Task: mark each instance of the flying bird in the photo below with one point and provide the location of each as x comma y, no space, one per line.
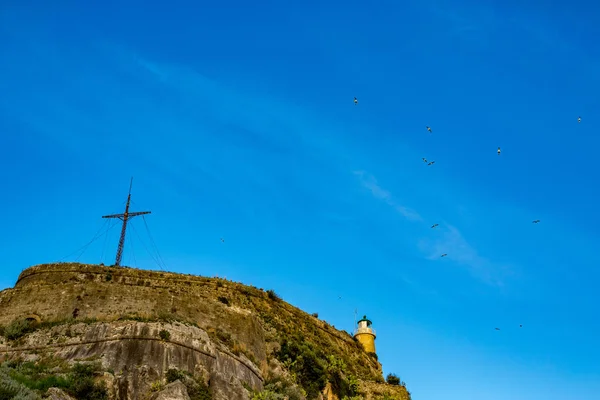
428,129
536,221
431,163
222,240
355,101
434,225
578,119
497,329
424,159
444,255
520,326
498,150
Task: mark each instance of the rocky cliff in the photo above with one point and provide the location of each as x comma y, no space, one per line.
137,334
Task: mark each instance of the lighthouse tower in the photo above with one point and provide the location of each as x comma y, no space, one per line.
365,334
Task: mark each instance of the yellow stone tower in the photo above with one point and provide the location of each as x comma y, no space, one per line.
365,334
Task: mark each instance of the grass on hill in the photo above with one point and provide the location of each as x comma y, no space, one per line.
30,380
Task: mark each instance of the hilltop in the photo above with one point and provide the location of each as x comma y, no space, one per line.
129,333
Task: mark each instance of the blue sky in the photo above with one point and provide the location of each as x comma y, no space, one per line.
236,121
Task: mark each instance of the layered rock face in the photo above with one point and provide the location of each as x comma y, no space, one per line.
137,356
139,324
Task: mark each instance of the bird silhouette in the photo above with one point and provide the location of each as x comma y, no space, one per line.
444,255
431,163
578,119
355,101
428,129
498,150
222,240
434,225
497,329
537,221
424,159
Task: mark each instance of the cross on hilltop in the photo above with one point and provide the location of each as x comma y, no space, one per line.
125,217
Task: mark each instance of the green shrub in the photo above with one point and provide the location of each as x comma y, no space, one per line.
272,295
164,335
82,385
156,386
301,358
224,300
18,328
343,384
174,374
197,389
268,395
392,379
44,383
10,389
225,337
353,384
276,388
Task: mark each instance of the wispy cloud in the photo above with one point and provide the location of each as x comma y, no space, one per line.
152,68
369,182
448,239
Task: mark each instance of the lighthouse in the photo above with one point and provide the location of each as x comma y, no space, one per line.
365,334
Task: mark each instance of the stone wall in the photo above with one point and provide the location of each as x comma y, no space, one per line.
55,291
137,356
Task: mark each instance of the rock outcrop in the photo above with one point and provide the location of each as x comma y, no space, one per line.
57,394
173,391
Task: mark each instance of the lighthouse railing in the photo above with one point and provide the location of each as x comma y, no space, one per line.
365,330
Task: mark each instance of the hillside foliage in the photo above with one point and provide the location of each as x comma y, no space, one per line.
31,380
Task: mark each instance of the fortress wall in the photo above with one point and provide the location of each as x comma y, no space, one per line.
54,291
63,273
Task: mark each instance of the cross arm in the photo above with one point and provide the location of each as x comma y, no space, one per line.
113,216
133,214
